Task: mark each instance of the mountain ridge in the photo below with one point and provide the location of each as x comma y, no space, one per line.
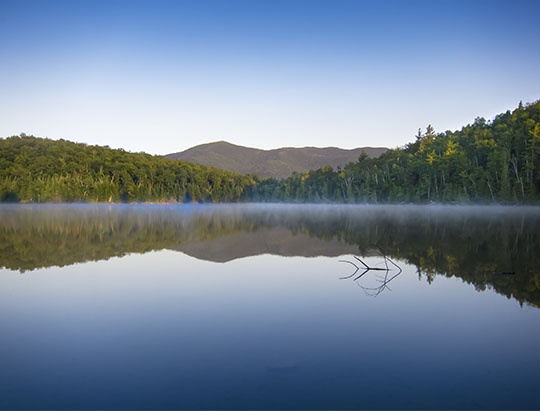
276,163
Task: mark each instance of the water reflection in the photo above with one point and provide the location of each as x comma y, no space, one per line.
390,272
164,330
486,246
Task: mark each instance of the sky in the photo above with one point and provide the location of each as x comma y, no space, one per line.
163,76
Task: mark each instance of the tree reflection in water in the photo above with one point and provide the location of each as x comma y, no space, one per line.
476,244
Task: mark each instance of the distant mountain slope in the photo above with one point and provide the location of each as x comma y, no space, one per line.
278,163
276,241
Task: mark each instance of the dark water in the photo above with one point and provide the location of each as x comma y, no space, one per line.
269,307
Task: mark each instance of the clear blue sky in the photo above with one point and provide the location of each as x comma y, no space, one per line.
162,76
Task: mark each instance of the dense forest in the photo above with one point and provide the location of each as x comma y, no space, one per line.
487,161
41,170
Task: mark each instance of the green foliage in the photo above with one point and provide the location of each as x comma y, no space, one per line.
43,170
494,161
484,162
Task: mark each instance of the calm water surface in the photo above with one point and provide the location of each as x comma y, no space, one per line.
269,307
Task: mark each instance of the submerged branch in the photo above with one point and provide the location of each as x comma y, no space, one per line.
384,280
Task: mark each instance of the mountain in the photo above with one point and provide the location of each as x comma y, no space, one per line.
269,240
278,163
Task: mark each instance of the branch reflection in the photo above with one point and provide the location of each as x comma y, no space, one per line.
389,274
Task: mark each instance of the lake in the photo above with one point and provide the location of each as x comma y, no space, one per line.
269,307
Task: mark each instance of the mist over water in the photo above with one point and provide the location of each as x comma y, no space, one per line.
269,306
471,242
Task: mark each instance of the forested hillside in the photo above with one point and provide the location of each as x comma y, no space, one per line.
487,161
39,170
277,163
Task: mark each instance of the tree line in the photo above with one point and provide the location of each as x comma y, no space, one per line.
487,161
42,170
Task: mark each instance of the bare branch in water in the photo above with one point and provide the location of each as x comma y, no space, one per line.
360,276
368,267
384,279
365,265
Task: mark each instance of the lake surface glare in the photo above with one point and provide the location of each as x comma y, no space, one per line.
269,307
